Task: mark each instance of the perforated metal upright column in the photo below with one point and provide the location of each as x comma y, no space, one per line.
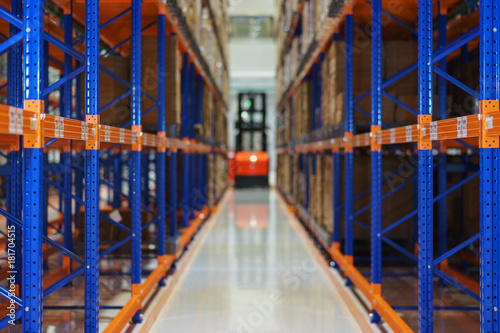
348,129
92,168
489,167
192,159
185,135
136,153
33,169
425,167
376,154
336,195
199,197
161,128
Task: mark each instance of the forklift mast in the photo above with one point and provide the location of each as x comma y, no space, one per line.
252,160
251,123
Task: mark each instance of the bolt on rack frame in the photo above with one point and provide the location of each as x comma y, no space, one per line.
33,124
428,142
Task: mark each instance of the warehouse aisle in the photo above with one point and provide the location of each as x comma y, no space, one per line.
253,273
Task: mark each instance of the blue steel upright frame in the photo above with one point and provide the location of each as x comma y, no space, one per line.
425,168
432,58
91,268
186,155
348,131
376,154
489,166
161,190
33,168
135,174
31,175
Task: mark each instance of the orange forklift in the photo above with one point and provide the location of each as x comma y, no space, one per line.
251,158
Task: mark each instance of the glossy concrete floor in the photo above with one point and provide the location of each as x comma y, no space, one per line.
253,273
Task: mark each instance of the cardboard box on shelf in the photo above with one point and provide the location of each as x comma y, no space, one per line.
208,108
110,89
398,55
327,195
172,80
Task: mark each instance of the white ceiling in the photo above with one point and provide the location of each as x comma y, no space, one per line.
252,7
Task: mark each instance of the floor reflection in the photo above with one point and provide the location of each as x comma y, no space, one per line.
253,274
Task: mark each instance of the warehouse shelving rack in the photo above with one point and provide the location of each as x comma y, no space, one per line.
90,150
477,132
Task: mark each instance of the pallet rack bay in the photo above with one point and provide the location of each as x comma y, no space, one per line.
388,131
108,129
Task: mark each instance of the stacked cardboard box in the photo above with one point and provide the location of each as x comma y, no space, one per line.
221,173
287,124
321,12
201,26
299,176
294,103
286,10
172,81
308,24
334,80
394,208
284,172
316,187
296,176
397,55
312,186
208,107
301,110
110,89
208,42
305,116
211,177
327,221
192,12
220,126
295,56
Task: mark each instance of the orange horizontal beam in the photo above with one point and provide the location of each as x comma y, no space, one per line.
16,121
389,315
164,264
467,127
189,232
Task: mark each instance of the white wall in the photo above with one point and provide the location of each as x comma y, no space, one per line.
253,58
252,7
253,67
